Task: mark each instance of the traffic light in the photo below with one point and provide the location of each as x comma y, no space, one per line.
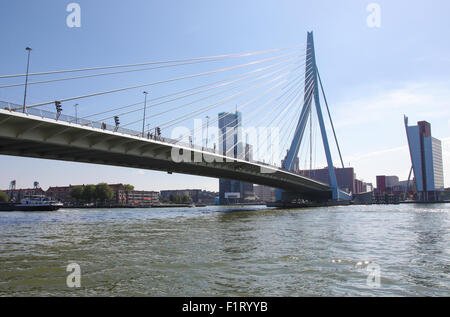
158,131
58,109
116,120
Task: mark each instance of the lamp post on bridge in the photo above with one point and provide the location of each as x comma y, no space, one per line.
76,113
145,106
26,80
207,125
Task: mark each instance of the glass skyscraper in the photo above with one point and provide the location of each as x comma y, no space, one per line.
230,143
426,157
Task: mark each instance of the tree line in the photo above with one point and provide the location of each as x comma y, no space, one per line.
3,197
93,193
178,199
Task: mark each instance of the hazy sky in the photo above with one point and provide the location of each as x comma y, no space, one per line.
372,75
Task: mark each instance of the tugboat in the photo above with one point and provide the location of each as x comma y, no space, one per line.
32,203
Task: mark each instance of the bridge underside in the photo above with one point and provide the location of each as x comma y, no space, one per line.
31,136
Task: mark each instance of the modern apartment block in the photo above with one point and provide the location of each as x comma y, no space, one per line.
426,158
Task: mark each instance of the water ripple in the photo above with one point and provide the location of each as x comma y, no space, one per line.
218,251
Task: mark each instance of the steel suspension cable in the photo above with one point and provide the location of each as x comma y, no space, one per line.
252,100
259,109
201,99
185,90
241,93
297,115
159,82
232,148
102,74
291,102
105,74
291,82
189,95
232,97
215,120
154,63
331,120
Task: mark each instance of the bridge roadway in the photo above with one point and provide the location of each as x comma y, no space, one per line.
38,134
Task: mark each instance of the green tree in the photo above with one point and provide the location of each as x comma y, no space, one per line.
3,197
186,198
89,193
76,193
128,187
103,192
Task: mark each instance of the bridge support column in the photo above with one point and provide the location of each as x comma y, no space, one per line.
311,91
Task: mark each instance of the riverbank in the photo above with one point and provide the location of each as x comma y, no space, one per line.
425,202
136,206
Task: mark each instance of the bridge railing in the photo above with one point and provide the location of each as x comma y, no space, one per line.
104,126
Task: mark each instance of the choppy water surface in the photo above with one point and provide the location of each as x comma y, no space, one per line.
217,251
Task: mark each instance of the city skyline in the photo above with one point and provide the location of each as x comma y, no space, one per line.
372,138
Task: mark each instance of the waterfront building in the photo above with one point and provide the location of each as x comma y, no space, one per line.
195,195
265,193
121,195
360,186
392,185
18,194
142,197
385,184
426,158
346,178
60,193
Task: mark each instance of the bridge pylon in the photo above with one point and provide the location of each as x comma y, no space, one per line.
311,92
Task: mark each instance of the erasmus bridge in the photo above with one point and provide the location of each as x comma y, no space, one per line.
283,89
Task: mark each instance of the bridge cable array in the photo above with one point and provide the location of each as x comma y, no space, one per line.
158,82
271,90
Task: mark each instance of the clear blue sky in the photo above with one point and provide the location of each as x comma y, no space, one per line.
372,76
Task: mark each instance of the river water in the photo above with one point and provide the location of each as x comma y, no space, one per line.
379,250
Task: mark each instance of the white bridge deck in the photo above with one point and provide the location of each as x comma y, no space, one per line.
38,134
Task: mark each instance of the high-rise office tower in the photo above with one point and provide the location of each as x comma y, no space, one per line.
426,157
230,143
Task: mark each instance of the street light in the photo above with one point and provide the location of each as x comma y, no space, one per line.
26,80
76,113
207,125
145,106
